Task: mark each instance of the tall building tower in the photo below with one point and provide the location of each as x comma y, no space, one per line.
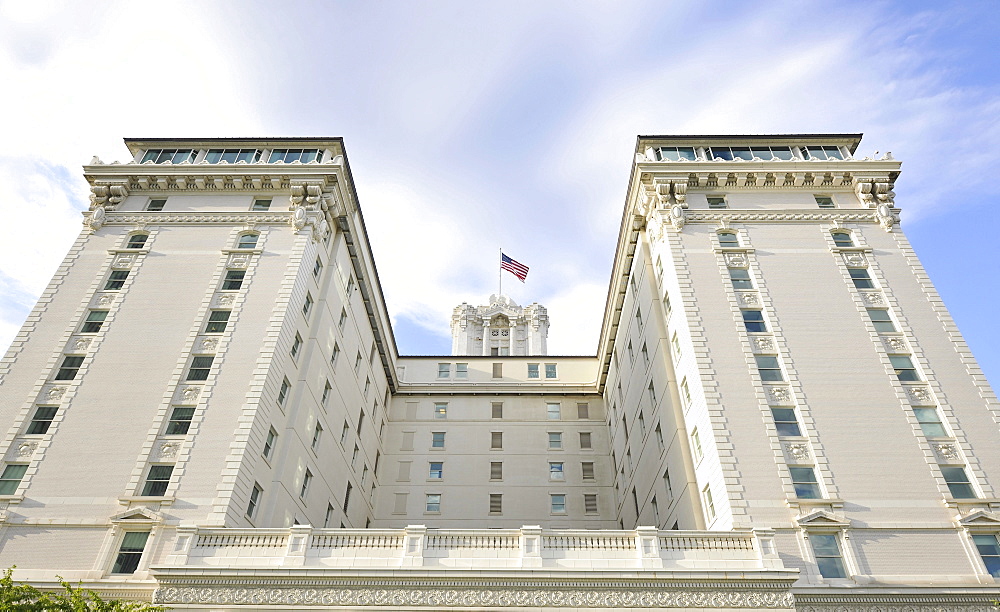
500,328
206,407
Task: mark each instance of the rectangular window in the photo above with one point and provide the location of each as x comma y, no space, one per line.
828,557
716,202
433,503
582,411
436,471
42,420
11,478
550,370
328,518
533,370
461,370
631,352
556,471
824,152
136,241
180,421
824,201
587,468
861,278
156,205
659,437
638,317
343,432
254,500
989,551
288,156
666,306
283,391
444,370
754,321
217,321
174,156
555,440
666,483
496,470
440,410
437,439
157,480
675,154
200,367
354,456
652,393
269,442
590,503
585,442
233,281
553,411
326,393
342,319
768,367
261,205
350,287
306,481
307,305
95,318
296,345
368,387
685,392
930,422
496,440
496,410
696,445
642,424
804,481
740,278
785,421
904,368
334,355
247,241
357,362
496,503
347,497
317,268
557,504
130,552
958,482
317,434
115,280
645,355
233,156
706,500
497,370
881,320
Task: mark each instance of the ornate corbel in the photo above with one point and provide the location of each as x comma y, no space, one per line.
885,216
95,220
677,216
98,196
680,189
314,194
296,197
864,191
884,193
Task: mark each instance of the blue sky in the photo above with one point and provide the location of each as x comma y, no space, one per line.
475,125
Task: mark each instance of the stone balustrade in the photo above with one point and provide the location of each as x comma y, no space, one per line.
528,547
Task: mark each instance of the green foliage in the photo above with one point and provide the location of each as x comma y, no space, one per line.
26,598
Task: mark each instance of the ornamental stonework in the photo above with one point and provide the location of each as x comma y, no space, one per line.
763,345
468,597
779,395
736,260
855,259
873,298
920,395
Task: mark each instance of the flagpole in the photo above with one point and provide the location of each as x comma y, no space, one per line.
500,290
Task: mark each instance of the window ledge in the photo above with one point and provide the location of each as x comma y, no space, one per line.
242,251
12,499
855,249
796,502
991,503
142,251
160,499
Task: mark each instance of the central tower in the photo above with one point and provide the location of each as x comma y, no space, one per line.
501,328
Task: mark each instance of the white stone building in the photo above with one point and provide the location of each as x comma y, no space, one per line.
206,406
500,328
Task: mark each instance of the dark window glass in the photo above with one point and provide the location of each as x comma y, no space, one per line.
200,367
754,321
115,280
95,318
157,480
130,552
11,478
70,366
785,421
831,564
842,239
136,241
804,481
861,278
42,420
180,421
217,321
234,280
958,483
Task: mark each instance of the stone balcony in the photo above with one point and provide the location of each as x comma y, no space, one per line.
417,567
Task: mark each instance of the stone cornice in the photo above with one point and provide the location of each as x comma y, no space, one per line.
199,218
854,215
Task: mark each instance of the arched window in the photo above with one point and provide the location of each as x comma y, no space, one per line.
728,239
247,241
136,241
843,239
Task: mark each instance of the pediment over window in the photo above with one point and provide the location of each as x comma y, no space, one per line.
137,515
822,518
980,518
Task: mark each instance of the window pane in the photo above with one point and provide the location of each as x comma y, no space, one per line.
721,152
831,567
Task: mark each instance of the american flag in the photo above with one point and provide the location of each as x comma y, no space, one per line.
517,269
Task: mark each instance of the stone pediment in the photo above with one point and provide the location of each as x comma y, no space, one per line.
137,515
980,518
823,518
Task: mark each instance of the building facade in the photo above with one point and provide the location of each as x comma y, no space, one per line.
207,408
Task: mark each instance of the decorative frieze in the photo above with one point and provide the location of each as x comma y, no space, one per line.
238,260
54,394
762,344
797,452
872,298
854,259
748,298
736,260
779,395
644,596
189,394
947,453
920,396
895,344
123,261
